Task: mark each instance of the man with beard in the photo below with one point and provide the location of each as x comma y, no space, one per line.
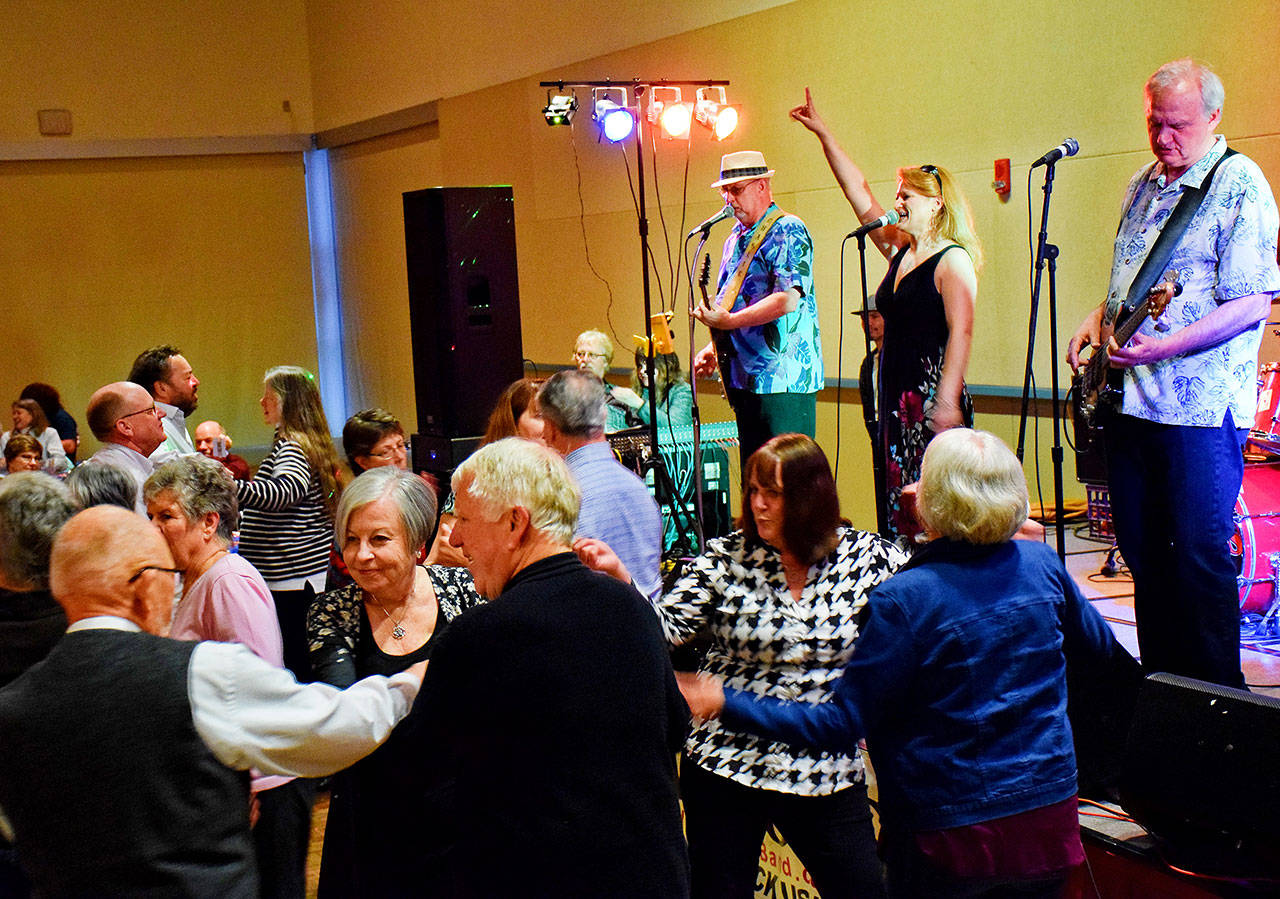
166,374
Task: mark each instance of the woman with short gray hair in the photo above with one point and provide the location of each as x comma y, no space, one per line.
381,822
191,501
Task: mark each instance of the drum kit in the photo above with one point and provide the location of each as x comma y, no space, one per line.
1256,543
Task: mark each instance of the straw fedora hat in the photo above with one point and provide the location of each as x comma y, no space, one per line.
744,165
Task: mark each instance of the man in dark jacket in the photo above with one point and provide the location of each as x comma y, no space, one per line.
556,701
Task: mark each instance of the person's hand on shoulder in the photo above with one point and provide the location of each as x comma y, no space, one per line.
597,556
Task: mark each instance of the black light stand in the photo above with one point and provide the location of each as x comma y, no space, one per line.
663,485
1046,252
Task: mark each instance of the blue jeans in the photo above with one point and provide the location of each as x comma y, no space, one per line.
1173,492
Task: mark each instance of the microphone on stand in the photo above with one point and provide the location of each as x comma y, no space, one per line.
889,218
720,216
1069,147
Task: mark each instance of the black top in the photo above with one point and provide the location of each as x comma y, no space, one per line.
30,625
62,422
385,834
563,724
911,360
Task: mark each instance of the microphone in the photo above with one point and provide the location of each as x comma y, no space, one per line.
889,218
720,216
1068,147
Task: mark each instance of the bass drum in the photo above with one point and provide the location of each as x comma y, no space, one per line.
1256,542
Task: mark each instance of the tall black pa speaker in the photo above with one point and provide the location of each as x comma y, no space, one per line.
464,312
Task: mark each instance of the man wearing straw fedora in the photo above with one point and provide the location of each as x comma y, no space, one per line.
763,320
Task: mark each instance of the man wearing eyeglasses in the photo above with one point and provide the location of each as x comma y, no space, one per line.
770,354
126,753
593,352
127,421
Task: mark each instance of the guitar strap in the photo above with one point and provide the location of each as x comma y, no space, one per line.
1166,243
734,284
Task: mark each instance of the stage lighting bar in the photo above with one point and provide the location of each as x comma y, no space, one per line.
610,111
560,108
667,109
711,110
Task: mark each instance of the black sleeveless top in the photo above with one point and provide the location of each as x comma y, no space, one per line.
915,341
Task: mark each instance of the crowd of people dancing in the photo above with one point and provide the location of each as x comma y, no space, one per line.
479,670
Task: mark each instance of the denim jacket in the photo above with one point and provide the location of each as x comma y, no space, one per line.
958,683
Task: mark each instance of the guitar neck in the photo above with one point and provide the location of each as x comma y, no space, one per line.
1096,370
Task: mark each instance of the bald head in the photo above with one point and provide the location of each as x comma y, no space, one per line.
206,433
94,558
125,413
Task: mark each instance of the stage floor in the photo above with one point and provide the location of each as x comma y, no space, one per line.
1113,598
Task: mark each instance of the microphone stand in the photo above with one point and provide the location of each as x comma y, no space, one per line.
696,409
877,457
1046,253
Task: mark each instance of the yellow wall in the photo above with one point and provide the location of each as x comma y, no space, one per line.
101,259
375,57
155,68
963,84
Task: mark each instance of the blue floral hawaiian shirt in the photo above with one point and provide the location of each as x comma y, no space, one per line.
785,355
1227,252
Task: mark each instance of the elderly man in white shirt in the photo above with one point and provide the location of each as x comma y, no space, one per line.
125,750
128,422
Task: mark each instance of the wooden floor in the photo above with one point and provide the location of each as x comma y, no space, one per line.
1112,596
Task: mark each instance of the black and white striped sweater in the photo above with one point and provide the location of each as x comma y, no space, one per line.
285,530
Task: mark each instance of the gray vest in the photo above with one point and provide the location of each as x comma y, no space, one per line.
108,786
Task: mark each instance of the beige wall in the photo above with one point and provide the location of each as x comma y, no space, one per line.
101,259
375,57
155,68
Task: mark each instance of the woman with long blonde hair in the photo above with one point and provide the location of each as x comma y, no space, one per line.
287,508
927,302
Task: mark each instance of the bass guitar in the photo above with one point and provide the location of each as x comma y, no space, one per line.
1097,382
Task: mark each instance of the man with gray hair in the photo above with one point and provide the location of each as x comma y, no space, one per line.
616,505
1190,390
559,712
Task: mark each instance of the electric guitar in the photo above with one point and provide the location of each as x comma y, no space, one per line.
1097,382
720,339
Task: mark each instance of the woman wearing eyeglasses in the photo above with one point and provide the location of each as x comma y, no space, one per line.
927,301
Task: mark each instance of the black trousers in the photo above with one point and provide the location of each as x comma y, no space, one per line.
765,415
281,838
726,822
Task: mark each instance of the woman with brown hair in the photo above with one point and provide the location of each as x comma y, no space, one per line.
29,418
287,509
780,599
22,452
515,414
959,686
